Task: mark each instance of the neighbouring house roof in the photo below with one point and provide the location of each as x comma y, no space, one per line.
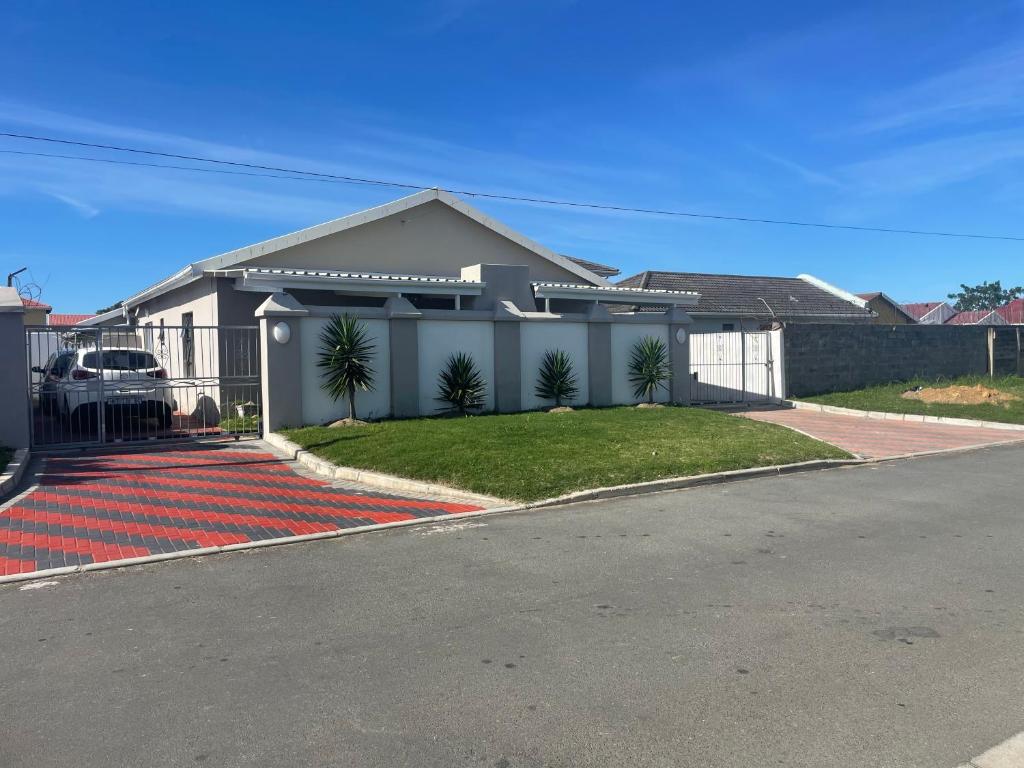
1013,313
64,319
977,317
259,250
596,267
921,309
33,304
756,296
871,296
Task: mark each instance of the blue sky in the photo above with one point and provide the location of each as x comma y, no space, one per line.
884,114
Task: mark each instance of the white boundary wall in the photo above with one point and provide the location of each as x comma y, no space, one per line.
623,339
439,339
538,338
317,406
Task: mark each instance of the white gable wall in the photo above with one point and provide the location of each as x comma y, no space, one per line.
430,239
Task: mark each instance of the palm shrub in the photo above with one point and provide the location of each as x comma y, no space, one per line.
460,385
344,359
557,381
649,367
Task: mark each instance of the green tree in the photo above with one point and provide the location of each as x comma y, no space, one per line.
556,381
460,385
984,296
648,367
344,359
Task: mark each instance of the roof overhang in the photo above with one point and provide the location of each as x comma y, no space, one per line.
102,319
272,280
614,294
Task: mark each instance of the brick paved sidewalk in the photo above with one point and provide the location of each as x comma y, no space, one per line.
877,438
97,507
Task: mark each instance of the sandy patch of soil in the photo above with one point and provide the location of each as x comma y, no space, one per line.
348,423
978,394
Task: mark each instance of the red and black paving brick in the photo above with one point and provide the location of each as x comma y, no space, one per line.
882,438
98,507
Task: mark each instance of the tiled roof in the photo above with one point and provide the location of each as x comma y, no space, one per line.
869,296
750,295
33,304
601,270
66,319
1013,313
919,309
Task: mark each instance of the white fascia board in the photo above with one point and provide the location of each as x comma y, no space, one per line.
614,294
817,282
269,280
113,314
178,279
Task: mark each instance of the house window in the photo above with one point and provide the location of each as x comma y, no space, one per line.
188,349
728,326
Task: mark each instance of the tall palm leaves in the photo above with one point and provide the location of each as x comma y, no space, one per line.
344,359
460,385
557,381
649,367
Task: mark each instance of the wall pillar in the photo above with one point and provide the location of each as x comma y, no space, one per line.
281,361
599,355
14,425
679,355
404,348
508,374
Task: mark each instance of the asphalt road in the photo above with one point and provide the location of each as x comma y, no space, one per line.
859,617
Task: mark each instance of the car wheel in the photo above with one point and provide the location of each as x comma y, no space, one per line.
165,417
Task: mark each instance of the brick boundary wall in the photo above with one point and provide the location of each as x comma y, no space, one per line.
822,358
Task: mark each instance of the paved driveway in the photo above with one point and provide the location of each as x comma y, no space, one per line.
97,507
875,438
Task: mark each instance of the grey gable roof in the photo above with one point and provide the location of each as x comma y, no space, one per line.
601,270
752,296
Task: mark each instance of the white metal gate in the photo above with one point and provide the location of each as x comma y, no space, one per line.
731,367
93,386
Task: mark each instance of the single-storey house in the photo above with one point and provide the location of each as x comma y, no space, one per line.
930,312
977,317
36,312
426,248
887,311
1013,313
749,302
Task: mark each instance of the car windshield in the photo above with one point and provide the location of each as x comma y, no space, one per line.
120,360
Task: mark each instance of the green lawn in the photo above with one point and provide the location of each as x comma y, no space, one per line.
530,456
887,398
6,454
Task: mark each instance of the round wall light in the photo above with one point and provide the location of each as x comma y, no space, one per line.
282,333
681,335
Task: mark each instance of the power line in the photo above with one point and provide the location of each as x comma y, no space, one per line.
302,175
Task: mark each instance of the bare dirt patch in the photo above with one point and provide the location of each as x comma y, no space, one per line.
959,394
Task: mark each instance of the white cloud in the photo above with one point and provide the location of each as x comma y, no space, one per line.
88,211
989,86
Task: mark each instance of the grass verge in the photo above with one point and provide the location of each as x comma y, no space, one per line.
531,456
887,398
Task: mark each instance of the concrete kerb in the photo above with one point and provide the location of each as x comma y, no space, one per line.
14,471
380,480
911,417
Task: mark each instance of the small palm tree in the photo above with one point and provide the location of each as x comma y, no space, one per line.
344,358
461,385
557,381
648,367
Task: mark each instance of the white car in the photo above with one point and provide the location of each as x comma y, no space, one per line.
132,382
